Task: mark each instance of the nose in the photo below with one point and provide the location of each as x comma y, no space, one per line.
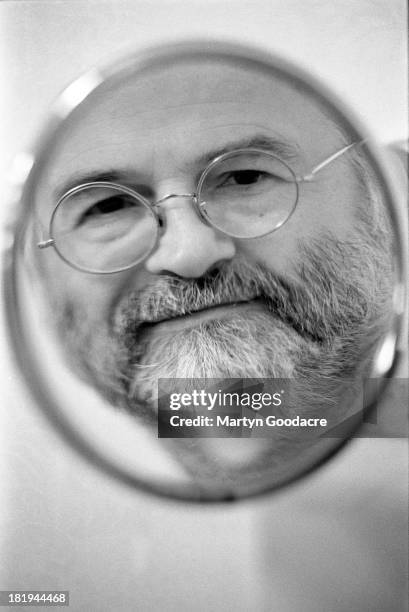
188,247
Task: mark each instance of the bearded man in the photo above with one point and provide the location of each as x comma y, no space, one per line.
211,220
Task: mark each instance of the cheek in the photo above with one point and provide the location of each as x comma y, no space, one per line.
94,295
327,207
62,285
322,209
273,252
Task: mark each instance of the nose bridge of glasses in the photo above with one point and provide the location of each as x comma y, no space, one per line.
170,196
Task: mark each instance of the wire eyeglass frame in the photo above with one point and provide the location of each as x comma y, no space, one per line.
199,205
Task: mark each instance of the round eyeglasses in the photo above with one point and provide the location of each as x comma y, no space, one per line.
104,227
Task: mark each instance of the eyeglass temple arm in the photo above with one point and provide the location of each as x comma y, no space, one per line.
45,243
329,160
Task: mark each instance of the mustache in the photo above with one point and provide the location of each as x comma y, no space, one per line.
295,304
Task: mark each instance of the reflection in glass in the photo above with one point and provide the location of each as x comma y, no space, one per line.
177,271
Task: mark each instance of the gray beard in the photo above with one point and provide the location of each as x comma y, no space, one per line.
320,331
326,323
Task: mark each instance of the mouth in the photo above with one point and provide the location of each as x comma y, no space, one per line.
192,318
179,321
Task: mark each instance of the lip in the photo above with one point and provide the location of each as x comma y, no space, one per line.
214,312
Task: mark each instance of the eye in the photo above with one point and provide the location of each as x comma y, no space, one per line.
107,206
243,177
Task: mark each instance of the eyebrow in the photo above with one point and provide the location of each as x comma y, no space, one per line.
127,176
122,176
285,150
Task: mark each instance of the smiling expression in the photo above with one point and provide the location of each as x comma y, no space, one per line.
155,134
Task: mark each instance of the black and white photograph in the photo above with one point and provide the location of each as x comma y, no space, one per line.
204,323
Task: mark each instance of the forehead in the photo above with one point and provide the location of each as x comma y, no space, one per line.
155,98
165,120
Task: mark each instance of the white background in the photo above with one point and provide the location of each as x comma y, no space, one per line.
337,541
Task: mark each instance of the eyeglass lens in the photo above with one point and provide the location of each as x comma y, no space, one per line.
248,194
103,229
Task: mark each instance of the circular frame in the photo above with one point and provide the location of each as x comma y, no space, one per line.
106,185
221,158
67,106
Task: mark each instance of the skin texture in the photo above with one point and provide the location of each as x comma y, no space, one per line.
321,281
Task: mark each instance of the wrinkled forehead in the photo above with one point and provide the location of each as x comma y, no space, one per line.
175,114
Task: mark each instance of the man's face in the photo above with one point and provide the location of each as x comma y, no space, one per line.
292,303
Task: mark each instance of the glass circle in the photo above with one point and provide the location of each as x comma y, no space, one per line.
103,227
248,193
39,288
